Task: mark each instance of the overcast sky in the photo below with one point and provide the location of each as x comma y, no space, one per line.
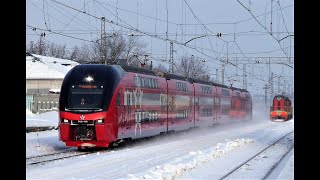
242,35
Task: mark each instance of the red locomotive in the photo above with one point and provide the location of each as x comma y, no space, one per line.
281,108
104,104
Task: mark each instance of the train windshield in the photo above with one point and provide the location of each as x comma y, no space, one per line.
85,97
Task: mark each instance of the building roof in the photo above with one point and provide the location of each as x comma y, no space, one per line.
43,67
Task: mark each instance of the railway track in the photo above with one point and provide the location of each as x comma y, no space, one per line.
69,153
271,170
42,159
253,160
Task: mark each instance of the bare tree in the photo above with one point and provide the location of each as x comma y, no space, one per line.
192,67
37,48
31,48
58,51
74,54
115,48
41,46
134,48
160,68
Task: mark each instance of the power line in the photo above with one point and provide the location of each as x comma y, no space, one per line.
64,15
205,28
240,21
133,29
33,27
155,18
262,26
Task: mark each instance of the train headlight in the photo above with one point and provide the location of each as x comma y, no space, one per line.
65,120
100,121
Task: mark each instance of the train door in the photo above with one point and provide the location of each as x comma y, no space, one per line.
120,107
123,103
127,109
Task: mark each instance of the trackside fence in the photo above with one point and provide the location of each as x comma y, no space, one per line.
40,103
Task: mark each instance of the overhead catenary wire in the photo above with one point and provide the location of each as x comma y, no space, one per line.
133,29
167,35
60,34
263,26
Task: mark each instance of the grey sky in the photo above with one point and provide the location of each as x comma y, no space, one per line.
245,36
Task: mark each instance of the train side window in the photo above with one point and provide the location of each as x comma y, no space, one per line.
147,82
137,80
142,82
155,83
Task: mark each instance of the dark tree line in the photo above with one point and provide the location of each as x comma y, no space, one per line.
117,47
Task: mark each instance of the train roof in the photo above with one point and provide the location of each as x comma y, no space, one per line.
178,77
282,96
138,70
127,68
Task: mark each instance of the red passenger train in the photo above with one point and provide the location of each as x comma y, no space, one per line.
104,104
281,108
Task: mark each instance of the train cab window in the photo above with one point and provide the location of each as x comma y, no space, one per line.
85,97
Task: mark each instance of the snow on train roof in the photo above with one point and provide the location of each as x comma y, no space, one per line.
43,67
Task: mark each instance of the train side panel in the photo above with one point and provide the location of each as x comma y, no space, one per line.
144,106
204,95
180,108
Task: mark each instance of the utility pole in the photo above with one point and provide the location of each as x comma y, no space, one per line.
217,77
244,77
269,75
271,19
265,96
271,94
171,58
222,74
227,51
279,85
103,44
238,78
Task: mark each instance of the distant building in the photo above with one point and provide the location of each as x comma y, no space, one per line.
45,74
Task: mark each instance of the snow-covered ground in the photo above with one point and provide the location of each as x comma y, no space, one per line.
198,154
43,119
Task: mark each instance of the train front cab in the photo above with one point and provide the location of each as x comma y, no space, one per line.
87,106
281,108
